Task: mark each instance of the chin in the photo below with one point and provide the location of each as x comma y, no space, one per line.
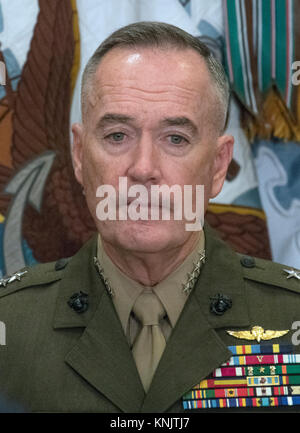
144,236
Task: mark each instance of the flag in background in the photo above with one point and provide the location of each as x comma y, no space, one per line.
262,44
45,47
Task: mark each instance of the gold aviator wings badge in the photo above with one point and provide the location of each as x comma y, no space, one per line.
258,333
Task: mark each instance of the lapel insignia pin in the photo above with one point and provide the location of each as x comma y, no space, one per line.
12,278
220,303
102,276
258,333
292,273
79,302
193,276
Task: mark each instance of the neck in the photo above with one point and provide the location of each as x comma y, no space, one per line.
149,269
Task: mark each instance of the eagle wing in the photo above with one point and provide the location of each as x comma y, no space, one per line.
269,334
245,335
41,123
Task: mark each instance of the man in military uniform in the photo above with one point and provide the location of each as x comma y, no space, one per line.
147,316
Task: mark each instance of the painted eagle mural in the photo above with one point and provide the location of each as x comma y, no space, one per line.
42,204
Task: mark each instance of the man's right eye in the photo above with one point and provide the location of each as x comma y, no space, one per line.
116,136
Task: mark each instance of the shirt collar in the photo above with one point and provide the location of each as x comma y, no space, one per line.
125,290
169,291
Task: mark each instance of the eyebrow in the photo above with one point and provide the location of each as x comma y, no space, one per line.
110,118
180,121
113,118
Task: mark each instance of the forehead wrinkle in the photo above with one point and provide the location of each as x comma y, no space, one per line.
135,97
162,88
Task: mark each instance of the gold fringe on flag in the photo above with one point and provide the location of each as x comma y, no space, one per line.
275,120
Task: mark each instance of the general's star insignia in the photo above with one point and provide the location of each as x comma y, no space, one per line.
102,276
12,278
193,276
257,333
292,273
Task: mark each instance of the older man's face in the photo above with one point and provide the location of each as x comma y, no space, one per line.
150,118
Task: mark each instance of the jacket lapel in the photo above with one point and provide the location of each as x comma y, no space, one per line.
101,355
194,349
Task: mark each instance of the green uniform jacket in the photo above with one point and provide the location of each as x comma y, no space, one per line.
58,360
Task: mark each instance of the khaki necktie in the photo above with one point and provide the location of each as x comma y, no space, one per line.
150,342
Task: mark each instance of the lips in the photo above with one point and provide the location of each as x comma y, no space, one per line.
141,203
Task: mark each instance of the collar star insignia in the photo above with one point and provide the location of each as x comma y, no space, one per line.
258,333
193,276
16,276
187,287
102,276
292,273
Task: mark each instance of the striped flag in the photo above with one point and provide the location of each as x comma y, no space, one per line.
262,43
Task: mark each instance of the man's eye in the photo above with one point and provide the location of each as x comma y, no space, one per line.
177,139
117,136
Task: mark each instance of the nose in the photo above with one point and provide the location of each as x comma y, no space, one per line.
144,167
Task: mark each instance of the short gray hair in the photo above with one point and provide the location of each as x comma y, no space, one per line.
148,34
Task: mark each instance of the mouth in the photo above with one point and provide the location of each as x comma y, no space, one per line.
144,204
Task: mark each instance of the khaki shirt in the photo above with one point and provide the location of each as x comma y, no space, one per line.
169,291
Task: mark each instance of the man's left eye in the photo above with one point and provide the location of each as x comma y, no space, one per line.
177,139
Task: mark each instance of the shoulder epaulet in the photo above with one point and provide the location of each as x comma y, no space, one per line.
272,273
36,275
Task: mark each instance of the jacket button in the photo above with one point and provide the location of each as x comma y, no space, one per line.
248,262
220,303
79,302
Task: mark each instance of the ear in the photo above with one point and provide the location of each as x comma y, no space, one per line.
77,130
223,157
